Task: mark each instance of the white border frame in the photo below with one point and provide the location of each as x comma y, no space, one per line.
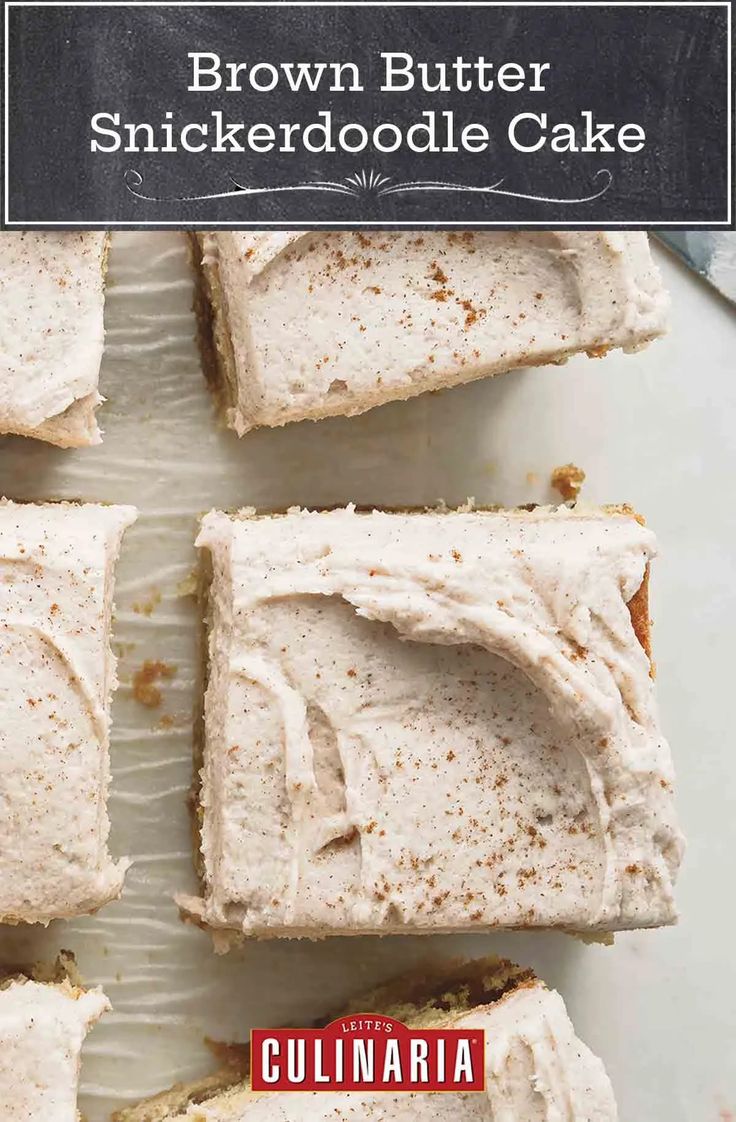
727,223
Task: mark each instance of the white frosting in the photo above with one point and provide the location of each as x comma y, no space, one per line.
431,722
56,581
42,1029
537,1070
335,323
51,334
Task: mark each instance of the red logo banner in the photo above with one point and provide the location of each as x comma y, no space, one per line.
368,1052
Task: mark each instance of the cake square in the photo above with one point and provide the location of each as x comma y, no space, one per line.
51,325
431,722
57,674
536,1066
305,325
42,1030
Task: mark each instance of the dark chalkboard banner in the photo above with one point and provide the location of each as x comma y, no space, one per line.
363,114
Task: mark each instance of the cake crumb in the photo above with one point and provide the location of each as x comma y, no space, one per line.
147,607
232,1056
188,585
568,480
145,690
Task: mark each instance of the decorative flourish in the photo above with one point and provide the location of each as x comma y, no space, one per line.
134,180
369,183
496,189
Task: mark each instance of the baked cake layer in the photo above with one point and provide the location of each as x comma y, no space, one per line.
536,1067
42,1030
307,325
57,674
51,325
439,721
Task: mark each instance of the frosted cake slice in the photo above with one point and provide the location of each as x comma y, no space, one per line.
306,325
51,326
536,1067
57,674
42,1030
425,722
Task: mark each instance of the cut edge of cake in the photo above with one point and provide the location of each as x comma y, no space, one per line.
213,335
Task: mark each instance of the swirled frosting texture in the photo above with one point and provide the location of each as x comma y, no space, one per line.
51,334
310,325
57,674
42,1029
431,722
